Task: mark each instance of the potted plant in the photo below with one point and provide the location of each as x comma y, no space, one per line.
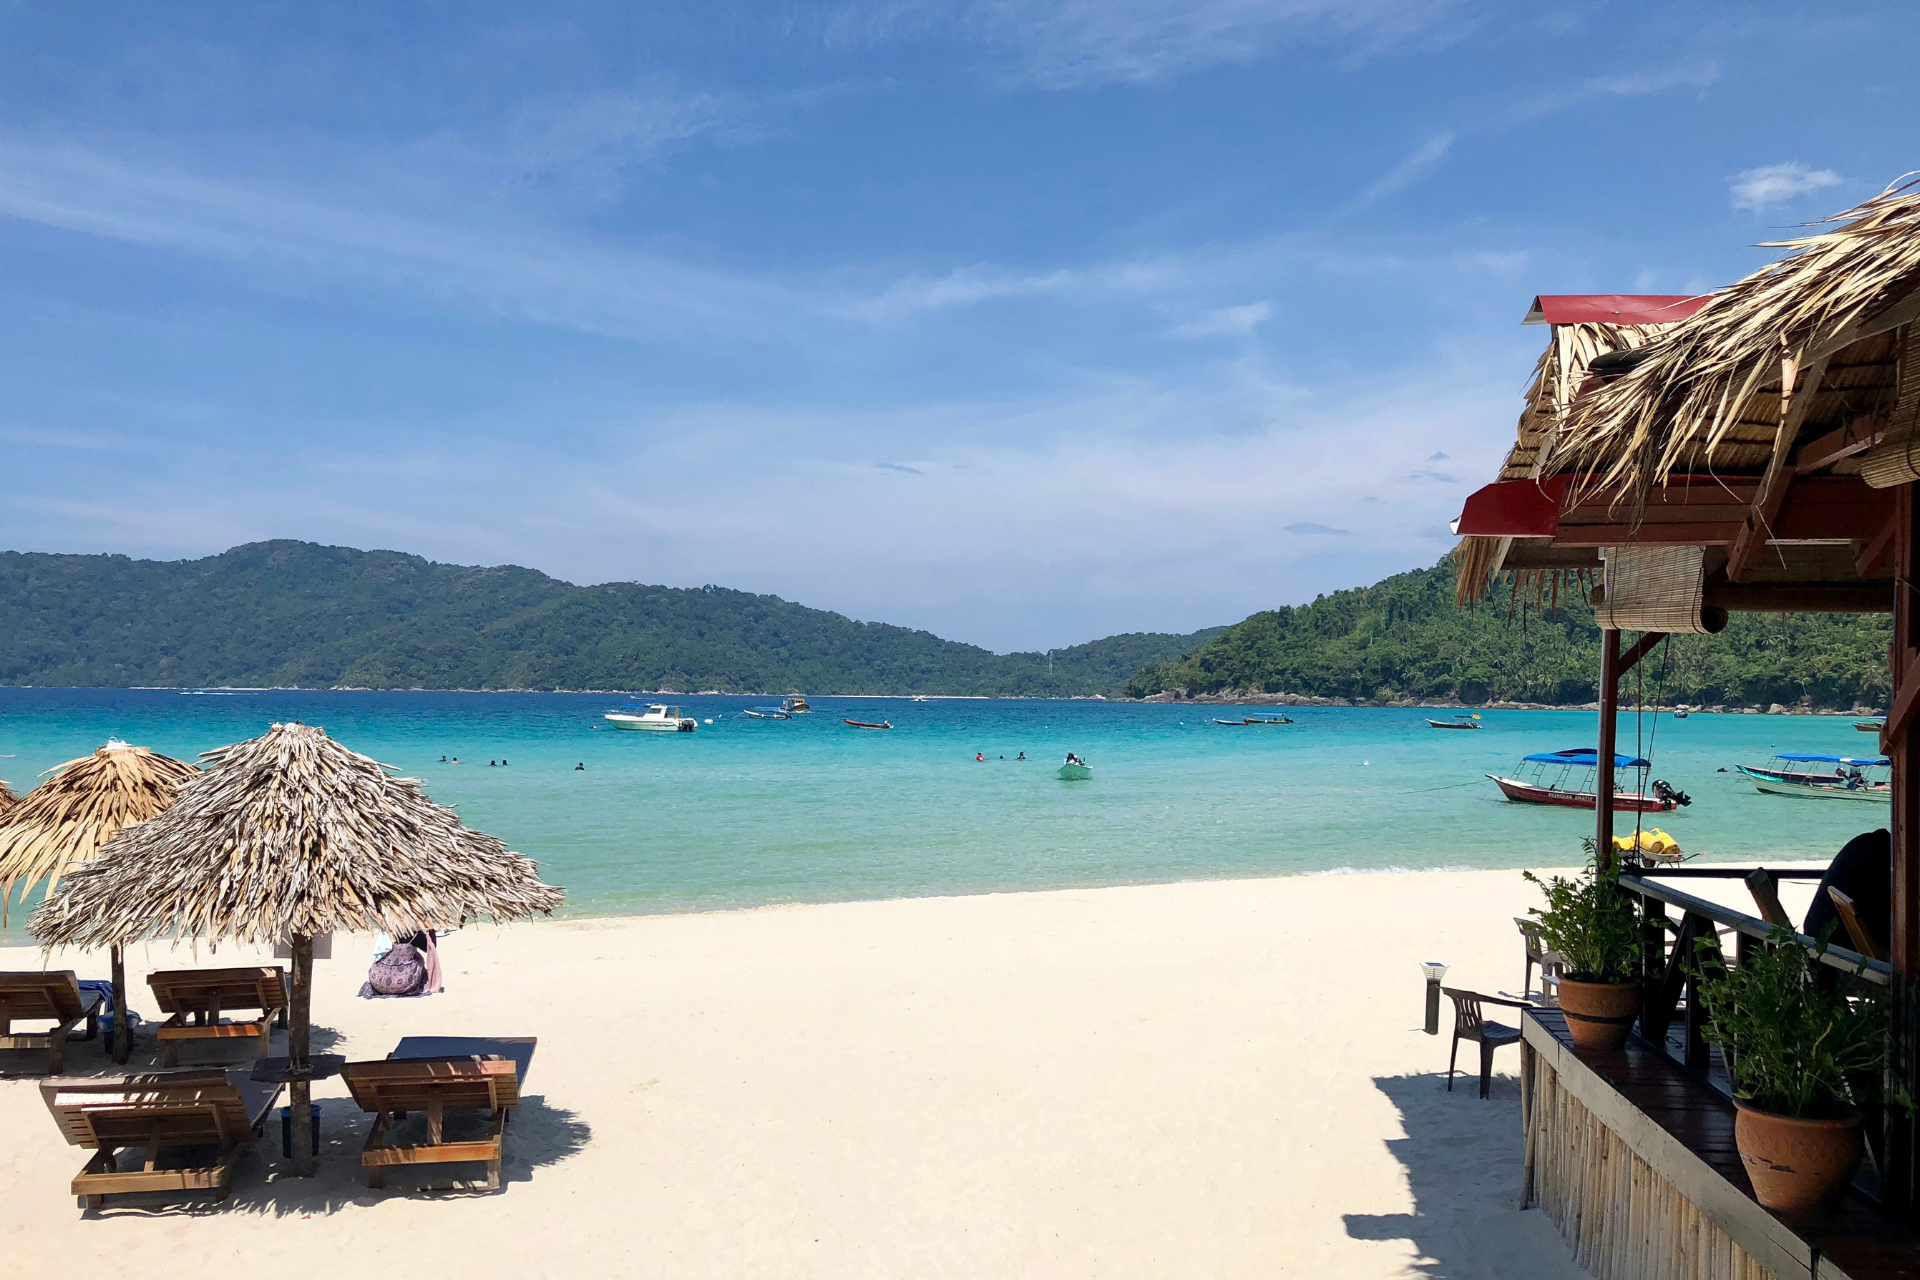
1803,1054
1594,928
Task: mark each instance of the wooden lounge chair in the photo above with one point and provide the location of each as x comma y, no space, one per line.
196,999
54,997
1469,1024
436,1075
167,1113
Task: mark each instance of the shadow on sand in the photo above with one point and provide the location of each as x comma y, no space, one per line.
1463,1162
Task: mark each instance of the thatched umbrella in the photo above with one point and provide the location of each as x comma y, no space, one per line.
286,836
7,798
66,821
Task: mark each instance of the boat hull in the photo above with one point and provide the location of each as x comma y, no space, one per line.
767,715
637,725
1449,724
1075,773
1821,790
1780,775
862,724
1623,801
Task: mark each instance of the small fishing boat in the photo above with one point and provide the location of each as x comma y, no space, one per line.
1458,722
862,724
1818,776
1247,720
767,713
794,705
1075,770
1869,726
1681,713
1568,779
652,717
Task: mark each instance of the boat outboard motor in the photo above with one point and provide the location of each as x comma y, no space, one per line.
1663,790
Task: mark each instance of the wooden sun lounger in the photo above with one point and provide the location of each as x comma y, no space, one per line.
162,1112
196,999
436,1075
54,997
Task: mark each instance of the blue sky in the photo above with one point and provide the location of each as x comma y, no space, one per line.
1025,322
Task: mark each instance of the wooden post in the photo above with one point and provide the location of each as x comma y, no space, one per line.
299,1028
1903,947
1603,761
122,1046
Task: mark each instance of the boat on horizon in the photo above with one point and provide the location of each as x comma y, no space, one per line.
1801,776
651,717
1247,720
767,713
1568,780
864,724
1463,721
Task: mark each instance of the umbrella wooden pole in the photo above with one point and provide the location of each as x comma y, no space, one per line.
299,1029
122,1047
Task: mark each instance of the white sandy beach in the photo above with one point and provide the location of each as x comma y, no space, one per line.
1205,1079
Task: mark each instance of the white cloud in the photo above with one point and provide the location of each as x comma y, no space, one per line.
1773,184
1225,322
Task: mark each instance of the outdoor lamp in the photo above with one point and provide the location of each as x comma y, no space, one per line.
1436,973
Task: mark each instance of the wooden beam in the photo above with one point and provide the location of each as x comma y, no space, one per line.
1900,714
1801,597
1603,774
1798,387
1877,547
1641,648
1903,312
1856,437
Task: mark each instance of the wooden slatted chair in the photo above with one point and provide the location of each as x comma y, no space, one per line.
52,997
174,1116
390,1089
1470,1024
197,999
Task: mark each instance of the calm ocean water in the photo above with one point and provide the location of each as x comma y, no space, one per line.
747,812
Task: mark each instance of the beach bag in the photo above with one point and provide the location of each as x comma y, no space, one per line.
400,972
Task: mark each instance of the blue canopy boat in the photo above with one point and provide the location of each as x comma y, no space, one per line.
1568,779
1820,776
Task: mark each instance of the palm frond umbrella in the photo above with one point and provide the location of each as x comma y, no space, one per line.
7,798
286,836
67,820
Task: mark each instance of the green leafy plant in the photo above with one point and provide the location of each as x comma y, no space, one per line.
1800,1046
1590,922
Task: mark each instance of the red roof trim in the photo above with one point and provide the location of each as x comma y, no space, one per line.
1613,308
1514,509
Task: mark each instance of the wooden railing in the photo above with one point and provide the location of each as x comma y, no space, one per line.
1667,976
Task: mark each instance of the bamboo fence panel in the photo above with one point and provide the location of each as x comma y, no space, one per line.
1623,1220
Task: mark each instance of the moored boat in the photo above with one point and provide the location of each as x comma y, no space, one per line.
1568,780
1243,721
653,717
794,705
767,713
864,724
1458,722
1819,776
1869,726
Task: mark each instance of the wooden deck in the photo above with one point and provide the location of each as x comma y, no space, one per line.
1683,1128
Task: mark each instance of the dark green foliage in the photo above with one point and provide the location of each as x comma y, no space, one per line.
1404,636
294,613
1801,1046
1591,923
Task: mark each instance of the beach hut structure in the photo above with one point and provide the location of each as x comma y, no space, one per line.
67,820
7,798
287,836
1758,455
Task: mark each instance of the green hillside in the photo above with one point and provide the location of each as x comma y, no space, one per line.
1404,637
295,613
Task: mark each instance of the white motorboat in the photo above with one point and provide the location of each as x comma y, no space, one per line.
653,716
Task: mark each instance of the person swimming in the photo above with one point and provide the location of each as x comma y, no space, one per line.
581,767
979,757
1020,757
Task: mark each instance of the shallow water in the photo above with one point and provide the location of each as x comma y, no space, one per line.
748,812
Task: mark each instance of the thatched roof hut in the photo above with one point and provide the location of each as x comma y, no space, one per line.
283,837
1763,432
7,798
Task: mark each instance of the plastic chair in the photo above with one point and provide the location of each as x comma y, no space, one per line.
1470,1024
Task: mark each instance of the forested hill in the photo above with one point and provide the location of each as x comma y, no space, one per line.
1403,637
298,614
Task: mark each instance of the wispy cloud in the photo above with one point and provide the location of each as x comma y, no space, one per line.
1307,527
1225,321
1772,184
895,466
1067,44
1423,160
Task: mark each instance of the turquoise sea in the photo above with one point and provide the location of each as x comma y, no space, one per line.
746,812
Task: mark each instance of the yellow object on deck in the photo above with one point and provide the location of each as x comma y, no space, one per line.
1654,844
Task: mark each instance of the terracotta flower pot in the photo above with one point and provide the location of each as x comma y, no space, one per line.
1797,1166
1599,1014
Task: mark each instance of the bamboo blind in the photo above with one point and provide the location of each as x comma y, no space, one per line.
1623,1220
1654,589
1895,457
